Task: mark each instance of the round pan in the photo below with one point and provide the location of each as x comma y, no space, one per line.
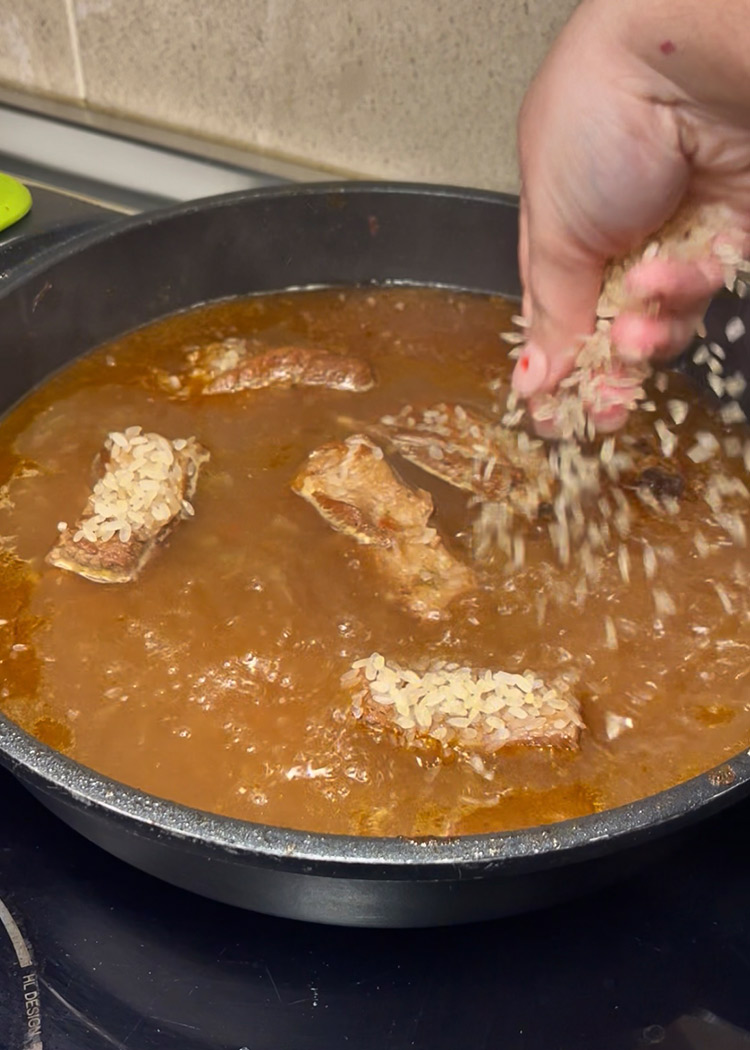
137,270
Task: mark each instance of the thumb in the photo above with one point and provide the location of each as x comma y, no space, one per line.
562,281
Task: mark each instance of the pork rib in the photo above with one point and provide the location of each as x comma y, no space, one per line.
231,366
145,489
472,453
352,486
448,708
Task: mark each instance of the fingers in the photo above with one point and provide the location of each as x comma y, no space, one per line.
675,285
561,288
538,371
679,291
611,400
523,245
636,338
639,338
606,420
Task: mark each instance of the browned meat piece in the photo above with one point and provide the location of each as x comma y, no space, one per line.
446,708
422,574
471,452
662,483
230,366
144,491
352,487
656,478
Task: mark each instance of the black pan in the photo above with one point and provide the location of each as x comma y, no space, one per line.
140,269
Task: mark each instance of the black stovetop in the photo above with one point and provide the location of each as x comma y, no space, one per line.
99,956
121,960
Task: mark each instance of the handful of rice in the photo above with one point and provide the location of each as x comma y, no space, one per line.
691,235
597,377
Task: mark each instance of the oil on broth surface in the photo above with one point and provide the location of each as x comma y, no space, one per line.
214,679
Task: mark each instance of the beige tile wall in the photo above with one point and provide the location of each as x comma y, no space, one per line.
36,49
413,89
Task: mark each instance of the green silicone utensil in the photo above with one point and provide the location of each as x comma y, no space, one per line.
15,201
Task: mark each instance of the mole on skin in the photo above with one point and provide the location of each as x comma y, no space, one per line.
667,47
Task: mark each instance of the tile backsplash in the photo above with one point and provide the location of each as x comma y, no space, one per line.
407,89
36,47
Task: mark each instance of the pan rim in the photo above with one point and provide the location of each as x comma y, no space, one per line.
560,843
126,223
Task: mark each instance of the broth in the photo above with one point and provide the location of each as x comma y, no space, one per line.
214,679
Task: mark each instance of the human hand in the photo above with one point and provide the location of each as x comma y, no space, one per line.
625,119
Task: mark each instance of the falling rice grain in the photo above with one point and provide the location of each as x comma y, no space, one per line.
667,439
699,454
732,413
724,598
610,632
678,410
607,450
649,561
734,329
735,385
615,724
519,551
663,602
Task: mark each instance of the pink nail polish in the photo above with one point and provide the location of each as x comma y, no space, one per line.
530,371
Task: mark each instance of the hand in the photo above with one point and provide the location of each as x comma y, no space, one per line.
630,113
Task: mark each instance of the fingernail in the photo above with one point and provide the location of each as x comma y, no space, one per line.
530,371
634,353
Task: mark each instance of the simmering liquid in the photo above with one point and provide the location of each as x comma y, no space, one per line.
214,679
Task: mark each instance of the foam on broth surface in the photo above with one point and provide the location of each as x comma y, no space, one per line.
214,680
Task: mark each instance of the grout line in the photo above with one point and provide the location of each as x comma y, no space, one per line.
75,48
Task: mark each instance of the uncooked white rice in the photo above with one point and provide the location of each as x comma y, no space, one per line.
461,707
735,329
141,489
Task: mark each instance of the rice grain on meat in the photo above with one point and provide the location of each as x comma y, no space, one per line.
448,708
146,484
